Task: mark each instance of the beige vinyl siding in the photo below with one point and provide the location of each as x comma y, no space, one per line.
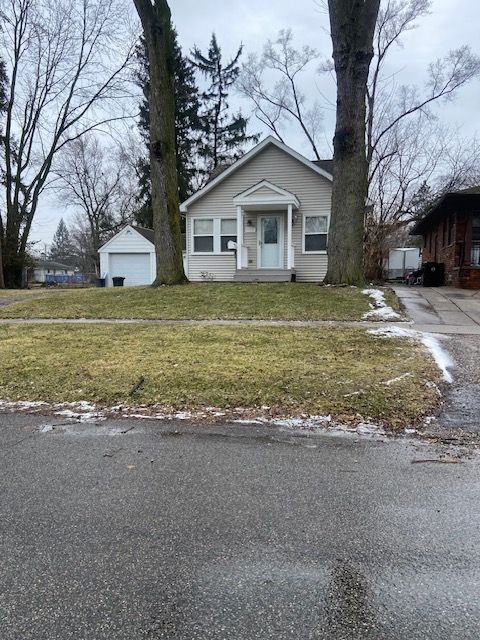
208,267
312,190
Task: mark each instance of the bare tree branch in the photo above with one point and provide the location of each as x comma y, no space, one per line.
69,70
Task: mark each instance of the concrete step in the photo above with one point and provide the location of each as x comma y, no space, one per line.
263,275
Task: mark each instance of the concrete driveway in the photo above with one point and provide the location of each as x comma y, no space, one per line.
455,313
442,309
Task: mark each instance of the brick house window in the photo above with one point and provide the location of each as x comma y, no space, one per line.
445,233
450,229
475,254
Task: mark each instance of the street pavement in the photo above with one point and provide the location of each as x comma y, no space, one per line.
140,529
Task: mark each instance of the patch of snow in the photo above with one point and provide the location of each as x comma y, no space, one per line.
22,405
87,416
302,422
398,379
379,309
45,428
442,359
368,428
428,420
410,431
393,332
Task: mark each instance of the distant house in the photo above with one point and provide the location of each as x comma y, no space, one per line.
130,254
45,269
451,236
265,217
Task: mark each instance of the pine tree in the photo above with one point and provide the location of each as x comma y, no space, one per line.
224,134
187,126
62,248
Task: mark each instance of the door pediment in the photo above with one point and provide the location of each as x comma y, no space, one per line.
265,193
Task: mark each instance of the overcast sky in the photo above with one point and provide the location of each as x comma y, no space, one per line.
252,22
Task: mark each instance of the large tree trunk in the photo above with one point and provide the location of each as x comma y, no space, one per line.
352,24
156,22
13,260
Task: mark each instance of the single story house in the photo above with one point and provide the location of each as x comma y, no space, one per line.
451,236
264,218
43,268
130,254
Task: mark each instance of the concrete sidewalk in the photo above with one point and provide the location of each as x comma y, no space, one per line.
442,309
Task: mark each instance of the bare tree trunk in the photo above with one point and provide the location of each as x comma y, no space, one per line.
352,24
2,280
156,22
13,258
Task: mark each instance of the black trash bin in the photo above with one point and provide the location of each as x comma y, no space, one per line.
118,281
100,282
433,274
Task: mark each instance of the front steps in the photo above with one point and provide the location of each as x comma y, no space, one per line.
264,275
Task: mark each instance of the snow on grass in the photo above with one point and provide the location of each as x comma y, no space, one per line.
442,359
397,379
380,310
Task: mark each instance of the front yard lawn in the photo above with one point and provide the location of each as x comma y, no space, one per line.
272,301
345,372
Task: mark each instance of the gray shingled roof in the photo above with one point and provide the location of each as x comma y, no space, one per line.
469,196
148,235
51,264
326,165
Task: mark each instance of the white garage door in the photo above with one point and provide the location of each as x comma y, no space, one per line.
134,267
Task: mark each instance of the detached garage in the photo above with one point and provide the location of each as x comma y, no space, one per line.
131,255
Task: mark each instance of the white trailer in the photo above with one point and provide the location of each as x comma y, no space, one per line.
402,260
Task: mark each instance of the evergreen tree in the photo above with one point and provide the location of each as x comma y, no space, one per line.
187,126
422,200
62,248
224,134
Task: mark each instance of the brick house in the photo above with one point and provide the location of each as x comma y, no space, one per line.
451,236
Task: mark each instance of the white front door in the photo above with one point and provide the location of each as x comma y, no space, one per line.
270,242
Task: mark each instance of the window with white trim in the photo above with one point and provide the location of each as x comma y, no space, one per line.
315,230
228,232
212,235
203,235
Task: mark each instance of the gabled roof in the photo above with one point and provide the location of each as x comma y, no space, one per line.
257,195
444,206
327,165
246,158
143,231
51,264
146,234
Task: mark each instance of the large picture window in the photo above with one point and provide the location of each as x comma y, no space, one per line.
212,235
315,230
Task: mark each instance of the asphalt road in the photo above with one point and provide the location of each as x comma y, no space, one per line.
132,530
